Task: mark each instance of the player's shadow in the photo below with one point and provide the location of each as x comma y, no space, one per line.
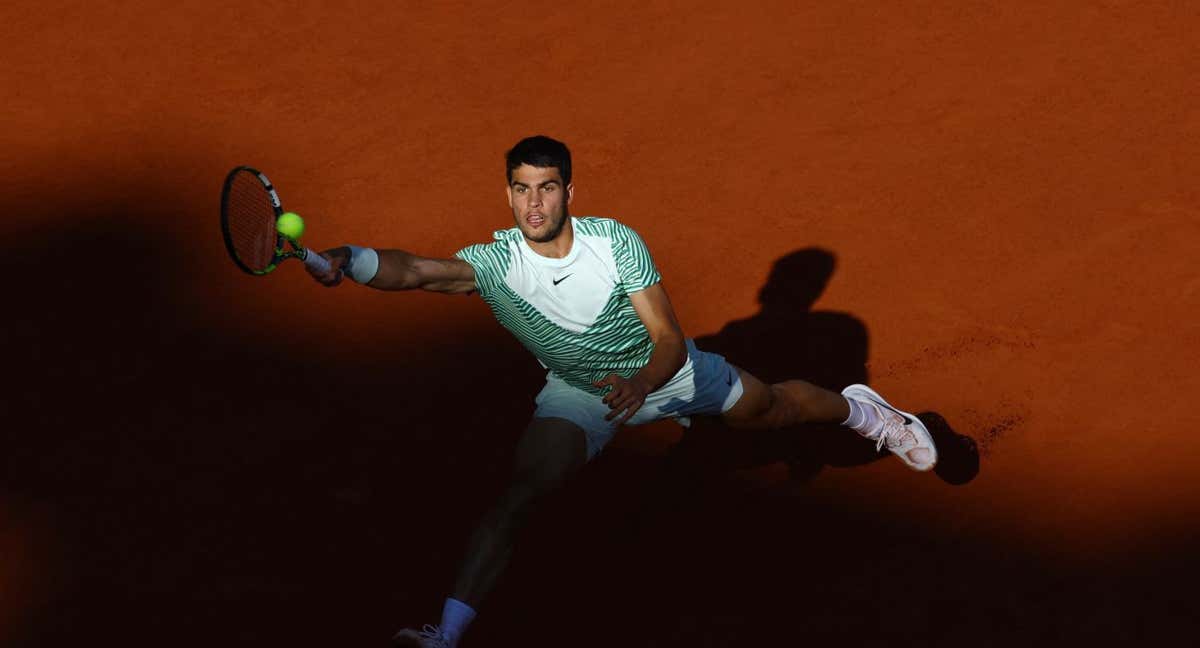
785,340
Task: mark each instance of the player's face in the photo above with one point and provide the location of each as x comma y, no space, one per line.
539,201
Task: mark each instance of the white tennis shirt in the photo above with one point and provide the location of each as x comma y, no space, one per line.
572,313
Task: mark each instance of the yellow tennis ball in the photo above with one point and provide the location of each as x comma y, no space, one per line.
290,225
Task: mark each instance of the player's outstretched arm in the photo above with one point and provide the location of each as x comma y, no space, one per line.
399,270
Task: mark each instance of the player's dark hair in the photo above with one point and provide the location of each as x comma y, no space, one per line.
539,151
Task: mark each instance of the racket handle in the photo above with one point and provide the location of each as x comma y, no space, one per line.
316,262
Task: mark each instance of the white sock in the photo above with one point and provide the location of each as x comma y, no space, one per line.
864,418
456,616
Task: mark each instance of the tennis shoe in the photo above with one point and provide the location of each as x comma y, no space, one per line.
429,636
902,433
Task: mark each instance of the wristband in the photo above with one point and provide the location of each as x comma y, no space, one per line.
363,264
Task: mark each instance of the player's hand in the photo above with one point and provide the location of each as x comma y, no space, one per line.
338,258
627,395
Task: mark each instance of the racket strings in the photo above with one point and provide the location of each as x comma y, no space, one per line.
251,218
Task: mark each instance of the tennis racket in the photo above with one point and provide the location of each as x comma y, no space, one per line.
249,208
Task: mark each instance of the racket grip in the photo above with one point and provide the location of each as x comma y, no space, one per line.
316,262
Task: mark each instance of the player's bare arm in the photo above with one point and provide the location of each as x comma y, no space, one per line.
654,309
400,270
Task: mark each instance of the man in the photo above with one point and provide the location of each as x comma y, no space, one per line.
584,296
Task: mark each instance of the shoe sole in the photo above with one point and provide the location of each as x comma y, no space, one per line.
862,392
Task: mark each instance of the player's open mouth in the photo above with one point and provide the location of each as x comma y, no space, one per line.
535,220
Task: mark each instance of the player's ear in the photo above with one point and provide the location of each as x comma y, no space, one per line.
570,193
508,192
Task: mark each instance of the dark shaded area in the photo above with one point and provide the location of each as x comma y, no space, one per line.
208,485
199,486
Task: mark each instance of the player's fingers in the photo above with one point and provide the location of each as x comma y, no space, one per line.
337,257
619,394
629,412
627,399
329,277
612,380
613,400
337,269
313,270
624,404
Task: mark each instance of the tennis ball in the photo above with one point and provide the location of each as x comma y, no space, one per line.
290,225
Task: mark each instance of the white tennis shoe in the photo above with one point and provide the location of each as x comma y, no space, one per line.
904,434
428,637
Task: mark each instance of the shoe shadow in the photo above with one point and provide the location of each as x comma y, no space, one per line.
958,455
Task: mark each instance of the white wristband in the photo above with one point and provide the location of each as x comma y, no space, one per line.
363,265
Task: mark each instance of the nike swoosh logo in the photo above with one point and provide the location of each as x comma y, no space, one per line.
557,281
907,420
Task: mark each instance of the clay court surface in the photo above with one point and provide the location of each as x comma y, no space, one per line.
988,210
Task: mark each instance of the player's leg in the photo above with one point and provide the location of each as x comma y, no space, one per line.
783,404
858,407
549,452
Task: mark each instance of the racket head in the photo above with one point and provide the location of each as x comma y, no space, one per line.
249,207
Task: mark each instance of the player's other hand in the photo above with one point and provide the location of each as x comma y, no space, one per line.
338,258
627,395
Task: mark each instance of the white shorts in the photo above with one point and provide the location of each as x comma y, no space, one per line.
705,385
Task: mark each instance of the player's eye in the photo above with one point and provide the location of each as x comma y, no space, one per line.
548,188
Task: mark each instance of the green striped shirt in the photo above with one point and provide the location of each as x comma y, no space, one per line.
573,313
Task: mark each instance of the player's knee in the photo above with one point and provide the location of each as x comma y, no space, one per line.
756,409
778,410
791,404
509,513
526,493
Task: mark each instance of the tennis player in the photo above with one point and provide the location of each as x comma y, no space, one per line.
584,296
